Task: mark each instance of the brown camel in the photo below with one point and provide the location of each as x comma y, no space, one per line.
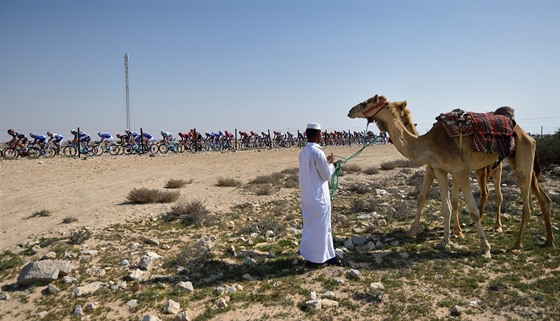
446,154
482,176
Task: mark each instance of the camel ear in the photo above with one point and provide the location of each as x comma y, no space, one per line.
402,105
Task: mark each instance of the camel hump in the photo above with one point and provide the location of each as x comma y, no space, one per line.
506,111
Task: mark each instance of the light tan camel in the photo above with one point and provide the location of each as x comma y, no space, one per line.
482,176
447,155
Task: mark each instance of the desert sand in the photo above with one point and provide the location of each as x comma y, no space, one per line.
94,190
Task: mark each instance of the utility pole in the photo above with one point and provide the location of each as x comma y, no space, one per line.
126,86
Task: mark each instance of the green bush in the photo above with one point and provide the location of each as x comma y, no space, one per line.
548,148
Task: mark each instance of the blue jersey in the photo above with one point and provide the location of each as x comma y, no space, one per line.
165,134
40,138
106,136
148,136
57,138
84,137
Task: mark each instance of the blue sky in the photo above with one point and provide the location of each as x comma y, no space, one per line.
258,65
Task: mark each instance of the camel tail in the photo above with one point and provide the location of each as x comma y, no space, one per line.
537,166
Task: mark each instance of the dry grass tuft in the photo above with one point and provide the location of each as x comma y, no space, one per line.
228,182
371,171
266,179
177,183
190,213
145,196
79,236
69,219
352,169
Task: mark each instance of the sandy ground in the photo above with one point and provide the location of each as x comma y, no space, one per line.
94,190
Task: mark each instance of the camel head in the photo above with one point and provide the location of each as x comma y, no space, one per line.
369,108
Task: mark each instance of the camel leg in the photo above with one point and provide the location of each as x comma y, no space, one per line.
482,178
445,205
455,210
545,203
462,180
498,198
426,185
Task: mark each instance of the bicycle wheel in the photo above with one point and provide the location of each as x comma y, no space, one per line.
10,153
33,152
155,148
163,149
98,150
70,151
114,150
50,152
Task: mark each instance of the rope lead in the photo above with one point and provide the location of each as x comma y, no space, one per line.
338,165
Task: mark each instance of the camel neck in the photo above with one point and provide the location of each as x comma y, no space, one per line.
410,145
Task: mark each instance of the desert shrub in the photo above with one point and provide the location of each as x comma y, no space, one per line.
388,165
9,260
264,179
265,190
406,163
290,171
41,213
291,181
145,196
359,188
548,148
190,213
79,236
69,219
352,169
371,171
177,183
228,182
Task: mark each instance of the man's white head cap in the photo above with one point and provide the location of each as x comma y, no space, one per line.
316,126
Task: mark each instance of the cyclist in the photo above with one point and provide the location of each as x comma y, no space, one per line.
167,137
18,139
39,140
106,139
147,139
55,139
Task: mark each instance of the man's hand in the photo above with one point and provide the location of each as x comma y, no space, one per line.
330,158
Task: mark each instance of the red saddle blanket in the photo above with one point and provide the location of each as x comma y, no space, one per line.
491,133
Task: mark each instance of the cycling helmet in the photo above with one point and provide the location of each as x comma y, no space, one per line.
162,132
99,134
49,134
73,131
32,134
127,130
10,131
118,135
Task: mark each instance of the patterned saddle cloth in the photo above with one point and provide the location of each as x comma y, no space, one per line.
491,133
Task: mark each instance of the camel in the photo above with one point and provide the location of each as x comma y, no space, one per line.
446,154
482,176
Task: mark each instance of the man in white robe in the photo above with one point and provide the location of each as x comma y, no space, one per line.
315,170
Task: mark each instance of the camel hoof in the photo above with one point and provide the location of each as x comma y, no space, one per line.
486,254
459,235
442,246
516,248
547,245
411,234
498,229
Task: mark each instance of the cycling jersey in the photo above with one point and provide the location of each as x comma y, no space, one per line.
148,136
106,136
57,138
40,139
165,134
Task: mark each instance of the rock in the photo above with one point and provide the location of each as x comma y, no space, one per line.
152,242
354,274
78,311
456,310
91,306
269,234
52,289
382,222
313,295
149,317
230,289
376,289
41,314
358,240
136,275
314,304
69,279
370,246
349,244
221,303
172,307
49,256
4,296
132,303
125,262
89,252
328,295
87,289
183,316
328,303
380,192
219,290
379,245
186,285
250,261
474,303
44,271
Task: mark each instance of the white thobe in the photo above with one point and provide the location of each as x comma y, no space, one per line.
314,172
